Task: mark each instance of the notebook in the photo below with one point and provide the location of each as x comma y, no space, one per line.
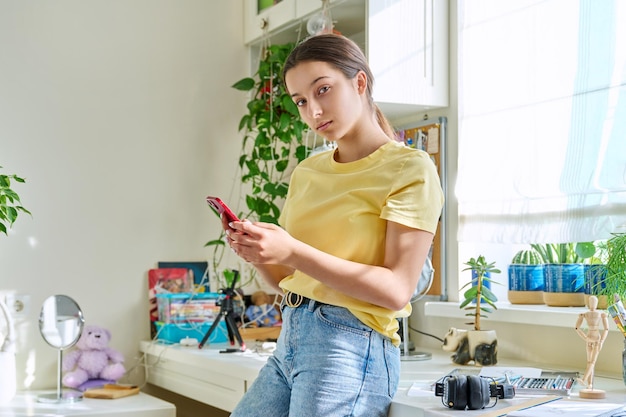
570,408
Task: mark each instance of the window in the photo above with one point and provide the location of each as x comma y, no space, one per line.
542,120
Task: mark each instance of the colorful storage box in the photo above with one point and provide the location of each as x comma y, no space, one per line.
188,307
175,332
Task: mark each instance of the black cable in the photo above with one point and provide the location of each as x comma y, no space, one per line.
426,334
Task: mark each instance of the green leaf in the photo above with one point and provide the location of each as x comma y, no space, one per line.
282,165
244,122
488,295
290,106
585,249
245,84
215,242
465,302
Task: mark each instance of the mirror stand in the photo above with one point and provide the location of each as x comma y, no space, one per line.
61,395
61,323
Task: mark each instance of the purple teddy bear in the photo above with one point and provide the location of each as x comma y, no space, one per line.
93,359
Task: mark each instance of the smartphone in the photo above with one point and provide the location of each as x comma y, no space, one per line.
221,208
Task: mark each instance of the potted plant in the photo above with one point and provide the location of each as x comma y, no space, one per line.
273,143
526,278
564,272
477,345
10,207
608,278
10,204
479,291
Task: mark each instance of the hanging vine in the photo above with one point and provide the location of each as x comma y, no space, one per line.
272,145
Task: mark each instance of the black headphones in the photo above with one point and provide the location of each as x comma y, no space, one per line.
471,391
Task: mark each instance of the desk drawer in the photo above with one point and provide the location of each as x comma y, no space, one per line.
207,386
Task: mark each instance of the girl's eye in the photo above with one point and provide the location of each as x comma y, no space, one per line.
324,89
300,102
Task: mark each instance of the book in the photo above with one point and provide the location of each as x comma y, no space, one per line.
165,280
569,408
198,272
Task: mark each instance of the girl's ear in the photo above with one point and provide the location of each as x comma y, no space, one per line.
361,82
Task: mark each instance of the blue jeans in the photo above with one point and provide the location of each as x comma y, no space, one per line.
326,363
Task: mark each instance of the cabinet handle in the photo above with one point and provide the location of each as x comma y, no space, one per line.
264,23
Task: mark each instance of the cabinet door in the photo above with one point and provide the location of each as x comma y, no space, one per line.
270,19
306,7
407,48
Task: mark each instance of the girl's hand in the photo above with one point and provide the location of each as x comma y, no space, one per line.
260,243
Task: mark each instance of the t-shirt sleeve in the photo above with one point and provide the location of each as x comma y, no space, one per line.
416,198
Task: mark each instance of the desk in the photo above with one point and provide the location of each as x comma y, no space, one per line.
140,405
221,379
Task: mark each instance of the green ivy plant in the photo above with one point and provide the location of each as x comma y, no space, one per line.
272,144
478,292
10,204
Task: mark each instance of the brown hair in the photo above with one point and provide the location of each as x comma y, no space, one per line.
343,54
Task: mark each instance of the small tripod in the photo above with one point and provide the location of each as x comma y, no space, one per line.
226,311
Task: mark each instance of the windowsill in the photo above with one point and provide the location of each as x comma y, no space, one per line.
515,313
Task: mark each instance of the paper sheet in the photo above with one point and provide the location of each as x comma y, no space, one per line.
432,144
421,389
569,408
500,371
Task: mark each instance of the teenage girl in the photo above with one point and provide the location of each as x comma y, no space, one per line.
356,228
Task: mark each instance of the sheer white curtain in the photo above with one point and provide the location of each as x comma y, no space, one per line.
542,120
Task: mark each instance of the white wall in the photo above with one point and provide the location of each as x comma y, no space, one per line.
120,116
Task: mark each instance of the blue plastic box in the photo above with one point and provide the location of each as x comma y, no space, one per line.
175,332
185,307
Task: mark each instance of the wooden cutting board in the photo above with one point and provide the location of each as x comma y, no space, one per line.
111,391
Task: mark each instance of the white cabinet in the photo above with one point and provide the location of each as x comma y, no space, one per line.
407,48
406,43
307,7
256,22
286,20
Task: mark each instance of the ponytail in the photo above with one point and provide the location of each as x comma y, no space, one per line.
384,123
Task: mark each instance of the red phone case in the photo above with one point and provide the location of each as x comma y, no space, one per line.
221,208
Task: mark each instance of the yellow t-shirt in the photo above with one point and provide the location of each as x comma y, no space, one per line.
343,208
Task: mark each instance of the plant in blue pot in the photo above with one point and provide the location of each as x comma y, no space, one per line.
564,272
526,278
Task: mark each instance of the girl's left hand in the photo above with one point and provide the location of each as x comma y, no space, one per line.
260,243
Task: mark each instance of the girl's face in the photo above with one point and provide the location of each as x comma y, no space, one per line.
329,103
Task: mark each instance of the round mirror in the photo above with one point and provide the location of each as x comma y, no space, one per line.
61,323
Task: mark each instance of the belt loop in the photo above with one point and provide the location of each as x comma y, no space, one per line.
311,305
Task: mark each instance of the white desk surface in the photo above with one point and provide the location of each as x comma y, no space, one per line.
140,405
425,373
246,366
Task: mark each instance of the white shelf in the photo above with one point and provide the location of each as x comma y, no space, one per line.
514,313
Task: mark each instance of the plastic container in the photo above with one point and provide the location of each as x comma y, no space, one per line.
175,332
188,307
